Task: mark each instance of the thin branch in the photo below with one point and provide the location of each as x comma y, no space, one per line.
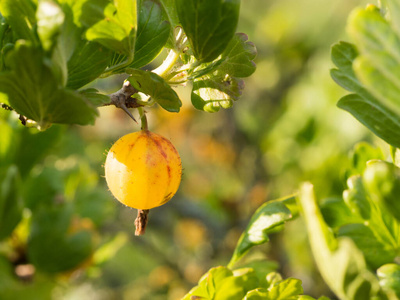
123,98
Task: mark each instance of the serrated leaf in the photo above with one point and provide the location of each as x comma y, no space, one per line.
153,32
155,86
376,117
51,248
34,91
381,120
223,284
266,218
375,76
209,25
118,29
50,19
211,93
343,54
389,278
238,57
379,64
10,201
285,290
20,14
236,60
258,294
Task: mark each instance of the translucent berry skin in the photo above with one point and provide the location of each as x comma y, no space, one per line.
143,170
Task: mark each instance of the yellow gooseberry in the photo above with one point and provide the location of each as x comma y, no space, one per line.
143,170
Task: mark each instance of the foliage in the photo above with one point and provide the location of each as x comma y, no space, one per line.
56,217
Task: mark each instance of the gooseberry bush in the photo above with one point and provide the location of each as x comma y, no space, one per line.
51,53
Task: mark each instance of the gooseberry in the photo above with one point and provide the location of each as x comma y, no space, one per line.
143,170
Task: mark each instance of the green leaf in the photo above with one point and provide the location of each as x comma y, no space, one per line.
258,294
118,29
336,213
20,14
10,201
33,90
266,218
238,57
389,278
376,117
285,290
383,182
341,264
50,19
155,86
362,153
33,146
394,8
210,93
87,12
379,46
51,248
375,252
153,32
172,15
356,198
51,184
381,120
223,284
93,96
86,64
170,10
288,289
209,25
236,60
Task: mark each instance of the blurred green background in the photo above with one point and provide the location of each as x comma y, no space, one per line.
285,129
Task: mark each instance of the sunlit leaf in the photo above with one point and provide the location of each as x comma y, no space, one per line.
376,253
50,18
382,180
389,278
341,264
118,29
381,120
223,284
266,218
20,14
211,93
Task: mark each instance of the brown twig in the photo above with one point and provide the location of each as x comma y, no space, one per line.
123,98
141,221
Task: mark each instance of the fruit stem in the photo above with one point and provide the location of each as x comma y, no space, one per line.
143,118
141,221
